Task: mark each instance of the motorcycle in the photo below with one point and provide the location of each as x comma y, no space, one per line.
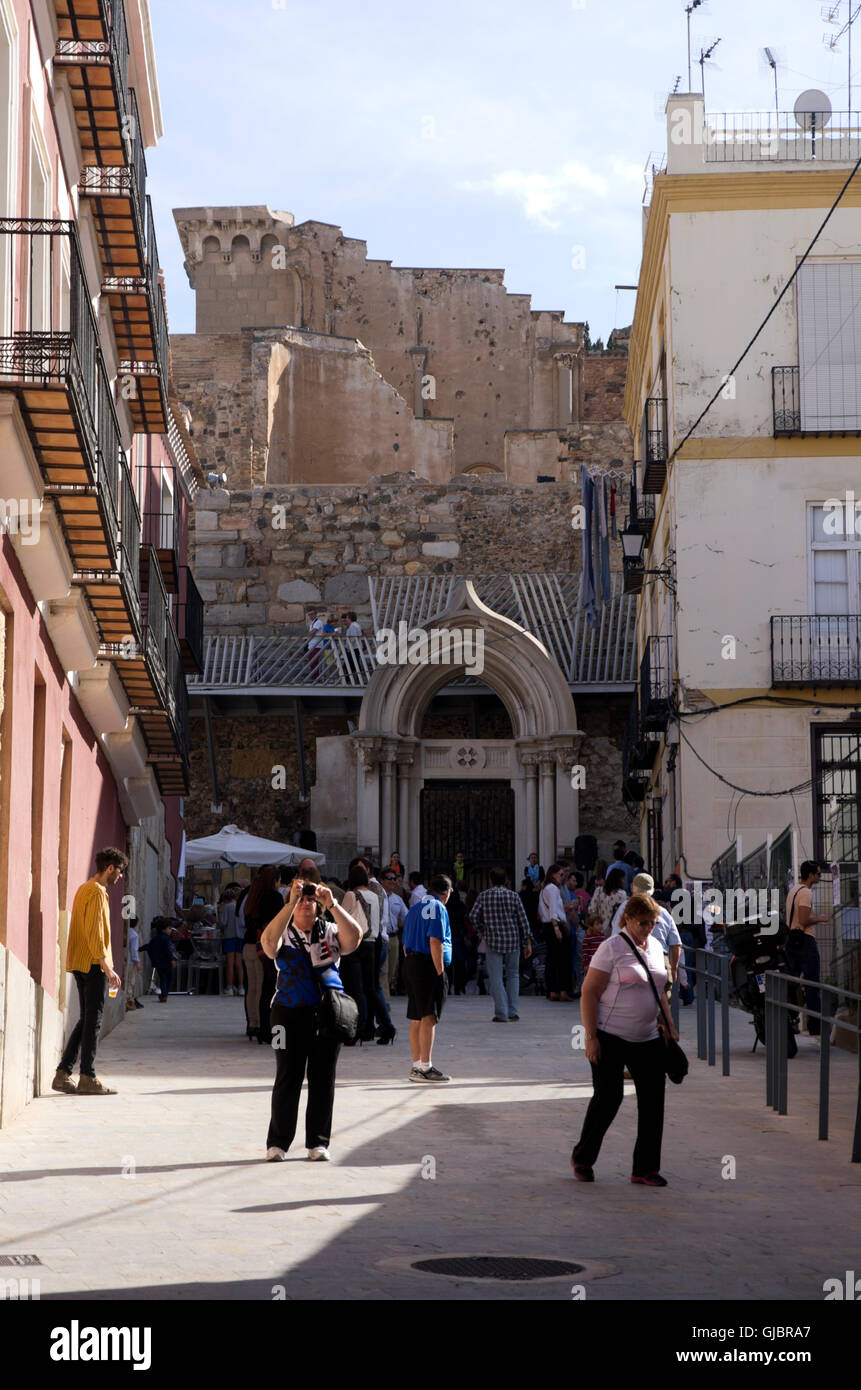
753,953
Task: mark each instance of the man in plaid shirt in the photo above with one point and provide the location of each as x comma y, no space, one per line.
501,918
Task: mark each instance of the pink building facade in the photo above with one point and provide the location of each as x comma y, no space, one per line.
100,621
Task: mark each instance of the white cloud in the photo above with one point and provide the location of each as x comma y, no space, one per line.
544,198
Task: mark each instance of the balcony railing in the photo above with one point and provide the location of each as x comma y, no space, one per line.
654,445
51,357
789,418
656,684
161,530
155,619
816,650
93,49
776,136
638,755
119,191
130,545
190,623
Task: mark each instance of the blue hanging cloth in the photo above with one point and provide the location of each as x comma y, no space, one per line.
587,594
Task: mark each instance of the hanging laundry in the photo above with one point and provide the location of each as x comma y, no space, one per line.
603,538
587,587
613,531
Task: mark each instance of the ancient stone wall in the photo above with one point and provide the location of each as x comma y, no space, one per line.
260,557
453,343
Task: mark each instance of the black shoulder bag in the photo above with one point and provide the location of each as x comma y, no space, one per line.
337,1012
675,1061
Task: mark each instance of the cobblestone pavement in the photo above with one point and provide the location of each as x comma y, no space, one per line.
161,1191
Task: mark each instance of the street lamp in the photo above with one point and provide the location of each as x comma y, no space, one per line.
633,546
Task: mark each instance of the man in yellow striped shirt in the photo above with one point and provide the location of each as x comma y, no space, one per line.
89,959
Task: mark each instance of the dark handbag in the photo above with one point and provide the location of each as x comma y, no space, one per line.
337,1012
675,1061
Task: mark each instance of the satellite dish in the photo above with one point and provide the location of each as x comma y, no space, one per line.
812,109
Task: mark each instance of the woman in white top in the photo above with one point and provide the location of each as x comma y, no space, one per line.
620,1014
557,934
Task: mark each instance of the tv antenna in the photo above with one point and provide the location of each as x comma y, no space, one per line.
772,63
676,85
812,112
705,56
689,9
831,15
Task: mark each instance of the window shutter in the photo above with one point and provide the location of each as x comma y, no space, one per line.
829,345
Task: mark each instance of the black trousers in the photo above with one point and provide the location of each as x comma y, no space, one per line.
303,1051
645,1062
557,975
267,994
372,1005
85,1034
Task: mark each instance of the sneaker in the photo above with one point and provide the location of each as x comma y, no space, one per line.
228,991
583,1172
514,1018
63,1082
274,1155
92,1086
416,1074
650,1180
318,1155
433,1074
499,1018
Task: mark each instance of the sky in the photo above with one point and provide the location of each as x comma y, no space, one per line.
475,133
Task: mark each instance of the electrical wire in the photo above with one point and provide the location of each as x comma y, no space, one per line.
790,282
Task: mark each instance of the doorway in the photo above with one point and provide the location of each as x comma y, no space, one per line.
475,817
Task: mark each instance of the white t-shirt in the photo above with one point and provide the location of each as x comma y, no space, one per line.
354,630
315,628
628,1008
550,904
417,894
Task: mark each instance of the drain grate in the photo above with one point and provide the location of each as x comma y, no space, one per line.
20,1260
508,1267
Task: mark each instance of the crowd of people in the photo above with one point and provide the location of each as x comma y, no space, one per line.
292,943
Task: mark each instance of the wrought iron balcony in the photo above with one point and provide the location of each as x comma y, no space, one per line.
814,650
140,327
115,597
790,418
141,664
190,623
161,530
655,441
93,50
639,746
656,684
50,356
116,190
166,730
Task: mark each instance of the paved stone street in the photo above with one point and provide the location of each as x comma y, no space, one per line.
203,1217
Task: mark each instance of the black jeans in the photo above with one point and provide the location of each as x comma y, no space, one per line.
557,975
85,1034
645,1062
302,1050
802,957
373,1005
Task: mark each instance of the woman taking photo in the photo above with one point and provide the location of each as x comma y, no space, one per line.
305,948
620,1015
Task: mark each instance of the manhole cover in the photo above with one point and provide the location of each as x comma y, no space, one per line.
20,1260
509,1267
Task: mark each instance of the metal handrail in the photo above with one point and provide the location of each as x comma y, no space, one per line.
777,1002
130,542
815,649
754,136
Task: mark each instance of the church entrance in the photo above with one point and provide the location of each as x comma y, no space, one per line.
476,817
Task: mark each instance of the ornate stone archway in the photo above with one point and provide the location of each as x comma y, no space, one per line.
393,760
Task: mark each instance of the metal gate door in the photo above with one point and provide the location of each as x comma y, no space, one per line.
475,817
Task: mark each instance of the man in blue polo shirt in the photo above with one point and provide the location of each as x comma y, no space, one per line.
427,951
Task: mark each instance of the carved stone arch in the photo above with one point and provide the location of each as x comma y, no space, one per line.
534,691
